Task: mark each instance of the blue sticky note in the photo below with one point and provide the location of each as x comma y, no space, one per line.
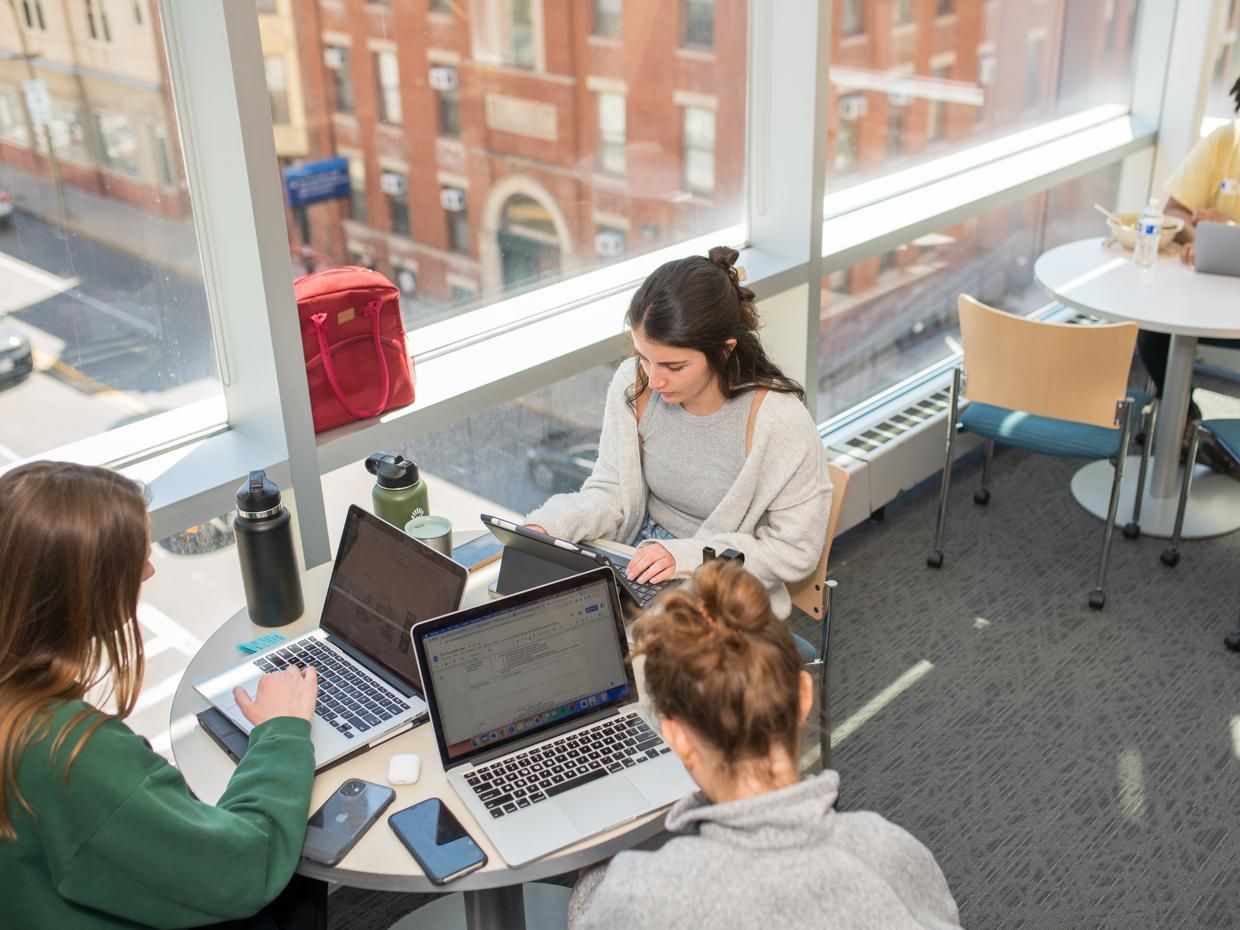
264,641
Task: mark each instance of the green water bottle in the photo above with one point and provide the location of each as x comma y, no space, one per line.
399,494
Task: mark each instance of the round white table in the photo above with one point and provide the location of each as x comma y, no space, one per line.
493,897
1172,298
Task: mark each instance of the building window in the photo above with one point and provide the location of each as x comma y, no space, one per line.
852,109
936,110
904,12
163,157
607,18
1035,45
406,279
137,12
697,18
33,12
611,133
118,146
503,32
388,73
852,18
518,41
897,115
266,6
610,243
357,189
445,82
336,57
395,185
441,6
699,146
277,90
452,199
945,7
97,20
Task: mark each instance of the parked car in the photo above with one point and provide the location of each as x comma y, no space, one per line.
16,359
6,207
563,460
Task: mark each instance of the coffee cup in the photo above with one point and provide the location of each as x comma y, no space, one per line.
433,530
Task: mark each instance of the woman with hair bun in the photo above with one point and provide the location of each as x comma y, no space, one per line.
756,845
705,441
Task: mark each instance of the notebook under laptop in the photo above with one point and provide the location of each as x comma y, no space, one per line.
1218,248
532,558
535,713
382,583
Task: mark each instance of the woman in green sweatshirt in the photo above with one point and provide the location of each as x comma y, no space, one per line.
96,830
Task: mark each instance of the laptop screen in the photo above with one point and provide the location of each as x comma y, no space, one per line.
502,675
383,583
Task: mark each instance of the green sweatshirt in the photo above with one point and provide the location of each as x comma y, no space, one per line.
127,845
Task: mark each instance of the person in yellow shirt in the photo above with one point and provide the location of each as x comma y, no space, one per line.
1205,187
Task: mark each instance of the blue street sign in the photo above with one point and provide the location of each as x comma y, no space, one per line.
317,180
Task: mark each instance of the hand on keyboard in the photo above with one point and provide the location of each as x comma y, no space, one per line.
288,693
651,564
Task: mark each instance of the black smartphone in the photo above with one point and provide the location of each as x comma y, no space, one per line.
336,827
478,552
437,840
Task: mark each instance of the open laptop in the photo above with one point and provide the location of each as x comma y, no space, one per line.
533,558
1218,248
382,583
535,713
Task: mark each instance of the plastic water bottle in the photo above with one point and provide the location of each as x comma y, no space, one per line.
1149,231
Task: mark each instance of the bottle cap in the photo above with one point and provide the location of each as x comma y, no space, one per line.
259,497
394,472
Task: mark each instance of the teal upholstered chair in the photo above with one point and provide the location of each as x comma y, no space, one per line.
1226,435
1052,388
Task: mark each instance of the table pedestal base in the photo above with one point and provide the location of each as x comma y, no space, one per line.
1213,500
534,906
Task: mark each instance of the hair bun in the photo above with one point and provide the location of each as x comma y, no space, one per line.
724,256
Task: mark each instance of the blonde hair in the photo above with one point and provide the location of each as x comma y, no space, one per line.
720,661
73,545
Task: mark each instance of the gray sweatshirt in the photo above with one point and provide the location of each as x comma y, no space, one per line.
775,511
785,859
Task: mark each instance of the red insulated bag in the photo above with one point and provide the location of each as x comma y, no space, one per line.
356,362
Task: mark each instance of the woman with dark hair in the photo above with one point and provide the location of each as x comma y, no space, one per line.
705,441
756,846
96,830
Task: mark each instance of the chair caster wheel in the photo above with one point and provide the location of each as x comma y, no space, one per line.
1132,530
1097,598
1232,640
982,497
1170,557
935,560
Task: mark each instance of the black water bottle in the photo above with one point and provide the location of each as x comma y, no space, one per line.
268,560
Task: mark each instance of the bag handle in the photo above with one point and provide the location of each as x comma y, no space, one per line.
758,397
371,310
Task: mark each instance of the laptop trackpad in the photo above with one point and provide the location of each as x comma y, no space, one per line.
603,804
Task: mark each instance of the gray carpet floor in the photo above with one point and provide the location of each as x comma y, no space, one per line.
1068,767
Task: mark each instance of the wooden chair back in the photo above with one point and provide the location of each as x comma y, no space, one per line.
1059,370
810,593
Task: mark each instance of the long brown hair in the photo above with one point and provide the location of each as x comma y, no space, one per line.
720,661
73,545
699,303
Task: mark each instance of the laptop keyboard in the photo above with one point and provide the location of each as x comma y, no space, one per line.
560,765
642,593
349,700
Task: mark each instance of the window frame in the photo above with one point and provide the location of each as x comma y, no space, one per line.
193,457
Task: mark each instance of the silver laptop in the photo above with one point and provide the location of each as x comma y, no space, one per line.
1218,248
535,712
382,583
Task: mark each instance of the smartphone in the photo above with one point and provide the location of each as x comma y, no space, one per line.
437,840
478,552
336,827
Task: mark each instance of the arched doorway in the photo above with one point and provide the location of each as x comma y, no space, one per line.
528,244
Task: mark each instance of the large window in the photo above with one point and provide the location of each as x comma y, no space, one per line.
890,316
103,312
1226,70
1014,64
494,115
